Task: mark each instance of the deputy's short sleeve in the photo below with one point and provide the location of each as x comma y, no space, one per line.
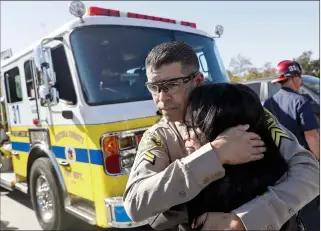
307,117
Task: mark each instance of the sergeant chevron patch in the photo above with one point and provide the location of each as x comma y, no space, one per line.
151,158
278,134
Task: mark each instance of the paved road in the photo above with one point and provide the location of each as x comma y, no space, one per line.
16,213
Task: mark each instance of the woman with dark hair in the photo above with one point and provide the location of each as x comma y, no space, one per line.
207,117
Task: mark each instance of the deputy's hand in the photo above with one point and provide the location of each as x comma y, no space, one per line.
237,146
219,221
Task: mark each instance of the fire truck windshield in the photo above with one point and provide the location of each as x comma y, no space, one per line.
110,60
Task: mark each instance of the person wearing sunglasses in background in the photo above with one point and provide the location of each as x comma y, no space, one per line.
164,175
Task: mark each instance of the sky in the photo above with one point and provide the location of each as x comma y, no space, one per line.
264,31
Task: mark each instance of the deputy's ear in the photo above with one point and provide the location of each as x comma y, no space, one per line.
199,78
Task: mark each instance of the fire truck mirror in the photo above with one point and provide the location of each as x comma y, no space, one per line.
38,60
44,66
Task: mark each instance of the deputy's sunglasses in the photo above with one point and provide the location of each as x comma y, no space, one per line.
170,86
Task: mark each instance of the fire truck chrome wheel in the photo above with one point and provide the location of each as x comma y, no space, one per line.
44,198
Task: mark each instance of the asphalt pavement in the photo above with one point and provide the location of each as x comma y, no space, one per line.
16,213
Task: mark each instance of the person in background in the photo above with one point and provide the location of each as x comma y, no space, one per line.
294,111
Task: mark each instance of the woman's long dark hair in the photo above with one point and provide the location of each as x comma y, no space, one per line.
213,108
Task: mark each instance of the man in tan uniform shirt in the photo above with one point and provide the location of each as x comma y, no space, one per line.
164,176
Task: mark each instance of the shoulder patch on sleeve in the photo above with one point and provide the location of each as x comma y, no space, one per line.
149,141
277,133
269,118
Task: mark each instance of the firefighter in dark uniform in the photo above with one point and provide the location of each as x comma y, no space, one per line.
295,112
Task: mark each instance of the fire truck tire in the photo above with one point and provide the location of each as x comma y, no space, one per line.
46,196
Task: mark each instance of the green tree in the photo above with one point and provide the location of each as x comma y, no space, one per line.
267,70
241,69
315,64
233,77
236,79
239,65
309,66
253,73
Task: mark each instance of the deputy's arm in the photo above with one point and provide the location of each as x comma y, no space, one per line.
271,210
156,184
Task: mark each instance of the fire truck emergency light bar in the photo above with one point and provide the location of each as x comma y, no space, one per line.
98,11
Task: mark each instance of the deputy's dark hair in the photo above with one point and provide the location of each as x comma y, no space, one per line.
214,108
171,52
